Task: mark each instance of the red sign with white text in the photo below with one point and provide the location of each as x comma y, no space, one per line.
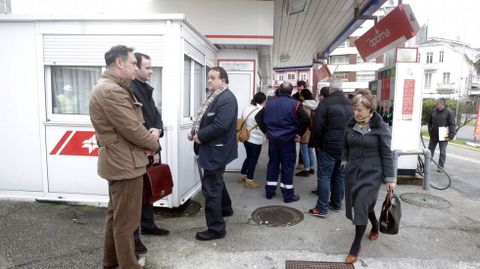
396,28
77,143
408,94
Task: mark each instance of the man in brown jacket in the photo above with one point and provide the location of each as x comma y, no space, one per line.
123,143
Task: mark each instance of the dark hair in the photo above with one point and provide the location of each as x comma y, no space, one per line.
223,73
139,56
285,88
307,95
302,83
365,97
325,92
258,98
118,51
442,100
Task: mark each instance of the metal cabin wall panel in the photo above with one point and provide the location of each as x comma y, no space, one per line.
89,50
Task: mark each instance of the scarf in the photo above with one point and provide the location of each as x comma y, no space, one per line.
203,108
363,121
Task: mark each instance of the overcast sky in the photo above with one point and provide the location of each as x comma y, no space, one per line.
449,18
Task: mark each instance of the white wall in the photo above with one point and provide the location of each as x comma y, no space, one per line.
21,154
210,17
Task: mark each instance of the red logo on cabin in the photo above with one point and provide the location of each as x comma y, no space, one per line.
78,143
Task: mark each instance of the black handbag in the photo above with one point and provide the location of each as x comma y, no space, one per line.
391,214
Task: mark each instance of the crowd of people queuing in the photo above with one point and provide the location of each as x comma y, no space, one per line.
347,140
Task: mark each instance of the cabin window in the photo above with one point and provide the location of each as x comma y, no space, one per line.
194,87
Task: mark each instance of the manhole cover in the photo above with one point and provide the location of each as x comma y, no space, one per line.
425,200
317,265
277,216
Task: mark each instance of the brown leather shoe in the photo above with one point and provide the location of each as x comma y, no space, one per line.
351,258
373,235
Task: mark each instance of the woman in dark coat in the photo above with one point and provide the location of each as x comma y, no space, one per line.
367,160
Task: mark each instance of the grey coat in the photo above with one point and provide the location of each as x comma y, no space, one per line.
369,162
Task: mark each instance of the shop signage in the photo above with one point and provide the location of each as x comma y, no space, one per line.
393,30
77,143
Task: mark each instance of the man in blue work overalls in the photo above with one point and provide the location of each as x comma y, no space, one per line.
283,121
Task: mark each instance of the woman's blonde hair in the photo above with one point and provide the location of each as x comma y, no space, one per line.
365,97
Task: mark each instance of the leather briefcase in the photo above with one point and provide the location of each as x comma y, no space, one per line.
157,183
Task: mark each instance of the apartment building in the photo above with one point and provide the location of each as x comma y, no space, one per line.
448,69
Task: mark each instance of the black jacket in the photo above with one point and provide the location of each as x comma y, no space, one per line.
331,116
441,118
143,91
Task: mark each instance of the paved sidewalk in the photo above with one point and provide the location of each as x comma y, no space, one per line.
41,235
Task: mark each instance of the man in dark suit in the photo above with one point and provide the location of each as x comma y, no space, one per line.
153,122
214,133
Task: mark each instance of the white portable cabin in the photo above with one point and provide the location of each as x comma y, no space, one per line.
49,151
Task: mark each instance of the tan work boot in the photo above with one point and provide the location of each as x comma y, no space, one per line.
242,179
300,167
250,184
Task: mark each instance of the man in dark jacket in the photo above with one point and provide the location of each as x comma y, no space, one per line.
284,122
328,137
440,117
214,131
153,122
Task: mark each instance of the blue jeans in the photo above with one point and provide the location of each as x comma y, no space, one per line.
308,156
253,152
329,175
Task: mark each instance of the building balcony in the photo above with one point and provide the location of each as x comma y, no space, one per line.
446,88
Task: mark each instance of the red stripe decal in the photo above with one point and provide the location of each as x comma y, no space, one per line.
61,142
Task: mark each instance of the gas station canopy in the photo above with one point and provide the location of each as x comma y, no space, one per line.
306,31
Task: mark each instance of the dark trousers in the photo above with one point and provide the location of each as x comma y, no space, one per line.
281,153
217,200
253,152
147,221
443,150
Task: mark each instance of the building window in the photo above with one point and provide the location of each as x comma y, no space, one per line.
342,59
340,76
281,77
302,76
365,76
440,58
429,57
193,86
291,76
70,87
344,44
446,78
428,80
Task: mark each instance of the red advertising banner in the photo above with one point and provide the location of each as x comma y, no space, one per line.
385,90
393,30
408,93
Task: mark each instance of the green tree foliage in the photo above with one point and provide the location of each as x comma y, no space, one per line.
466,111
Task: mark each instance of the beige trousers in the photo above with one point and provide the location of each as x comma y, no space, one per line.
123,217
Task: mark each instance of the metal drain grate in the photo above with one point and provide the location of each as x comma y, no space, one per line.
425,200
277,216
317,265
